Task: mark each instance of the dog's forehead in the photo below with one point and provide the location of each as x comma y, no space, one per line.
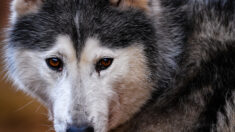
81,19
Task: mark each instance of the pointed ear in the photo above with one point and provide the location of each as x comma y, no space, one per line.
140,4
23,7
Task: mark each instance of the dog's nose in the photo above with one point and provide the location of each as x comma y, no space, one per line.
84,128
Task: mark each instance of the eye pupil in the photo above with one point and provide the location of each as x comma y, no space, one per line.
106,62
55,64
103,64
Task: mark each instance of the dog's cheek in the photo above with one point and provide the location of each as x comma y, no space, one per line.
131,84
28,74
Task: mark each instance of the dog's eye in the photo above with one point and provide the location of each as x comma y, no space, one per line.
55,64
103,64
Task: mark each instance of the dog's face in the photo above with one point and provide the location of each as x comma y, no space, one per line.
84,59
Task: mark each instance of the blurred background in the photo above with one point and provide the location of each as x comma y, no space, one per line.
18,112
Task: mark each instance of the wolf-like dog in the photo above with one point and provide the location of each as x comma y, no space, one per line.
126,65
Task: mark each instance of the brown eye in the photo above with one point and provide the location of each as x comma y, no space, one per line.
55,64
103,64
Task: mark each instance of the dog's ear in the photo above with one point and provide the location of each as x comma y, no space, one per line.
140,4
23,7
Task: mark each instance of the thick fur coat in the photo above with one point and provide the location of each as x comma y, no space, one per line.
180,56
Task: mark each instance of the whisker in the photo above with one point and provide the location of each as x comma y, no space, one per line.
38,108
44,114
24,106
50,129
46,125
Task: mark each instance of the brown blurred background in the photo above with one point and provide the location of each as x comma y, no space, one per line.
18,112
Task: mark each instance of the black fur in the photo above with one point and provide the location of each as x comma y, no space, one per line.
95,18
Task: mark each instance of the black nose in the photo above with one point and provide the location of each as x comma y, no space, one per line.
84,128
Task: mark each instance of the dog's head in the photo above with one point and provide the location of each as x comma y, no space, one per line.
86,60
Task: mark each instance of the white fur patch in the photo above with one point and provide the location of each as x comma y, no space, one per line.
97,88
61,92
